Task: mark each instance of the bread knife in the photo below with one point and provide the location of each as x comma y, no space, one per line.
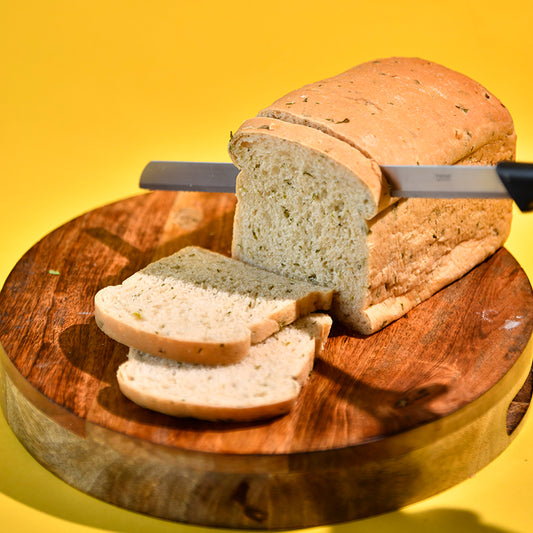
507,179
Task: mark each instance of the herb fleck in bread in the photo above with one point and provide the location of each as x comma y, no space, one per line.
202,307
313,205
264,384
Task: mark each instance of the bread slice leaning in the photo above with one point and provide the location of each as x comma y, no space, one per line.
265,384
200,306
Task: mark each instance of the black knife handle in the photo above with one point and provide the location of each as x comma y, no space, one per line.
518,180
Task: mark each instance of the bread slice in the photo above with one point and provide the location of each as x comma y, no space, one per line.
199,306
264,384
312,203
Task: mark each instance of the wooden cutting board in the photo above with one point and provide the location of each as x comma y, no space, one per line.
383,421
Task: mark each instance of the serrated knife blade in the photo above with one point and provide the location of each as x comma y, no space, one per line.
504,180
189,176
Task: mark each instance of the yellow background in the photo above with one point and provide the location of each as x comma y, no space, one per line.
91,91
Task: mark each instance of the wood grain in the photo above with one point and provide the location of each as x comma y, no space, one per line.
384,420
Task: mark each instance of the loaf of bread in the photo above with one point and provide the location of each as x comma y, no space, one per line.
312,203
264,384
199,306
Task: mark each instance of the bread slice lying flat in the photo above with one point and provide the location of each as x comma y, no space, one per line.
312,203
263,385
199,306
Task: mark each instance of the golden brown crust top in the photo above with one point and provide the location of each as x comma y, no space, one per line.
401,111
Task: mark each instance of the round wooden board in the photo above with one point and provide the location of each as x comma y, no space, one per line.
383,421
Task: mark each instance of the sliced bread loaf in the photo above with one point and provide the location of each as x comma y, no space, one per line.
264,384
203,307
312,203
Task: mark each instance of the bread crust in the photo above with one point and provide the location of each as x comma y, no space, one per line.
421,245
208,353
203,412
402,111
